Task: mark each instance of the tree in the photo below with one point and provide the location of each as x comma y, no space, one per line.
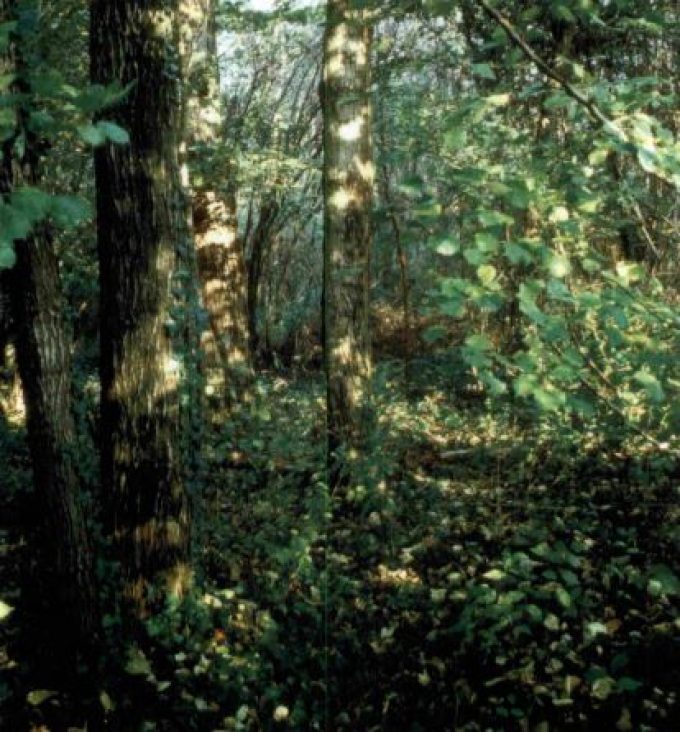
63,560
348,175
212,174
141,227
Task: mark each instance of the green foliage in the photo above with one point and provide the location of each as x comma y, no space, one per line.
507,554
37,107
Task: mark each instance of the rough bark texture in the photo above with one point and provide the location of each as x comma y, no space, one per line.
63,584
141,229
219,250
348,189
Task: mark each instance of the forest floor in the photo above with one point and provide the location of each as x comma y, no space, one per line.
482,577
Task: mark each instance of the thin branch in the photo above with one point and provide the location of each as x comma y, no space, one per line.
595,112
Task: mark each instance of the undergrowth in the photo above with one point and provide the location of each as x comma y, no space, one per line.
483,579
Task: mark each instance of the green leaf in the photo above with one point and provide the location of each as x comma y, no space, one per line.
517,254
113,132
595,628
412,186
428,210
476,349
97,97
667,579
569,577
69,211
137,664
484,71
550,399
648,159
552,622
6,81
625,683
106,701
603,687
5,609
486,242
455,138
498,100
33,203
7,260
651,385
563,597
558,215
486,274
475,257
629,272
559,265
434,333
92,135
562,12
558,99
6,30
38,696
493,218
446,245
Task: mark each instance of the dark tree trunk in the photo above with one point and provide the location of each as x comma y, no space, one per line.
141,232
258,253
348,173
63,584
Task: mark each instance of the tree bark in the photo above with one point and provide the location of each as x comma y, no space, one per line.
221,264
348,175
64,582
261,241
141,227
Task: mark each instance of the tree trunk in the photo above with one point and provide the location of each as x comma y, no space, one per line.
348,175
261,239
141,229
64,583
221,263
